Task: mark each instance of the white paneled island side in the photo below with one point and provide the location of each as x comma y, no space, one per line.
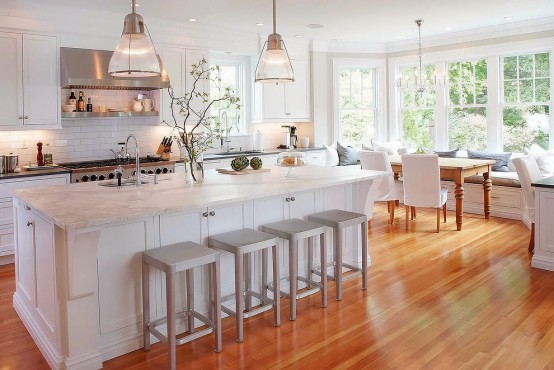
78,247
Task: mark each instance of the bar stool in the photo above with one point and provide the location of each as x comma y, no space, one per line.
339,220
172,260
242,243
294,230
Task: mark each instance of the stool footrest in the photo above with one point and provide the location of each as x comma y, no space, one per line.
300,294
152,327
351,270
269,303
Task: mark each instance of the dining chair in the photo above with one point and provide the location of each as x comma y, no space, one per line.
390,190
422,186
528,172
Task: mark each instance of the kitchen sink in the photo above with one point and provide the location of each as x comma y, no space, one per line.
244,152
124,182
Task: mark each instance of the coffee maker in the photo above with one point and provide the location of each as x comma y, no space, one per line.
293,137
286,138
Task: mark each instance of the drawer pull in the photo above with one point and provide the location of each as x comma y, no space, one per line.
26,117
27,208
205,214
30,223
292,199
287,199
495,197
212,213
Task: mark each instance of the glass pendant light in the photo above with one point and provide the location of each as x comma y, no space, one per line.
134,55
274,63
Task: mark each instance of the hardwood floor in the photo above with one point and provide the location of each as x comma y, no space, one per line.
466,300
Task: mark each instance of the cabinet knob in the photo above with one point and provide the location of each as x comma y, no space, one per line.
212,213
288,114
20,117
26,117
292,199
287,199
27,208
29,223
205,214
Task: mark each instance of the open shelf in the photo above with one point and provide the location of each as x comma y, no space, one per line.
79,115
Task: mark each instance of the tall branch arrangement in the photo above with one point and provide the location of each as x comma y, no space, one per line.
195,129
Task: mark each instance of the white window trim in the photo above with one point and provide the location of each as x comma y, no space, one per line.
492,53
380,92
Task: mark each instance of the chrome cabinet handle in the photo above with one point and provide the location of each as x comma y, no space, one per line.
292,199
287,199
20,117
26,117
27,208
30,223
212,213
205,214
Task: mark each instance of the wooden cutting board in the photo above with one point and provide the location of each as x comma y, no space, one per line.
247,171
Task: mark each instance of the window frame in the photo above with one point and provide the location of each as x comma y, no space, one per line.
379,66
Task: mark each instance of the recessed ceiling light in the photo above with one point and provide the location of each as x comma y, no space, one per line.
315,25
298,36
259,24
192,19
448,28
508,18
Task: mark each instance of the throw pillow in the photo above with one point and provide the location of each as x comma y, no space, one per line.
546,164
367,147
501,159
347,155
331,155
391,147
535,150
447,154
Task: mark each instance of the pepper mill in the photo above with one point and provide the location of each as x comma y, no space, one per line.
40,157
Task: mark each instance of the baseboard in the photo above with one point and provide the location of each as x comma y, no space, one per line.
476,208
542,262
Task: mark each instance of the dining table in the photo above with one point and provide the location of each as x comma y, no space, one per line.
456,170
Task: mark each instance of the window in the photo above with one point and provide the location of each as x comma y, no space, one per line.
230,74
356,106
526,101
467,99
417,109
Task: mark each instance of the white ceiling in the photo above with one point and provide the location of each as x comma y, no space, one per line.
359,21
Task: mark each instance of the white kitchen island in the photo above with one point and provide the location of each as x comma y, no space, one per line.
78,247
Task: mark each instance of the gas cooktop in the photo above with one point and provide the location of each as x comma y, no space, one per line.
107,163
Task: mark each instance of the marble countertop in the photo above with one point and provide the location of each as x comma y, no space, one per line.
547,182
213,156
23,173
88,204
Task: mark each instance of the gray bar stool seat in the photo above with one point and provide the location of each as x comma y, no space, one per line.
172,260
294,230
338,220
242,243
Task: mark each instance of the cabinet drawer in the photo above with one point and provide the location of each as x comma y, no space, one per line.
6,212
316,158
506,198
7,186
6,240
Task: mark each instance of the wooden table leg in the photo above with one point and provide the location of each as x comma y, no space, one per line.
459,194
487,186
396,177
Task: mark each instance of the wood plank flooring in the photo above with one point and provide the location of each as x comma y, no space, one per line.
453,300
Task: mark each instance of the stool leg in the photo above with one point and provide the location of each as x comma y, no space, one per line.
338,262
323,252
248,280
189,275
364,255
310,260
145,306
264,272
293,275
276,290
170,301
239,293
215,291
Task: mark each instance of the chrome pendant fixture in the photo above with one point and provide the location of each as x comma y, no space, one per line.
274,63
134,55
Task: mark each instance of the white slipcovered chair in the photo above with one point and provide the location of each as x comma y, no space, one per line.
528,172
422,186
389,190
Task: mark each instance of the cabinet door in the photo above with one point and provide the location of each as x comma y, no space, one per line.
40,80
202,86
297,104
25,255
273,100
11,83
173,63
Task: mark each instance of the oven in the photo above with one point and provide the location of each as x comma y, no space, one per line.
99,170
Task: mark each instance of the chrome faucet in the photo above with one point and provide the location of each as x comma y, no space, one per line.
137,170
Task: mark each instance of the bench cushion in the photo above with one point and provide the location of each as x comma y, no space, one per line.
498,179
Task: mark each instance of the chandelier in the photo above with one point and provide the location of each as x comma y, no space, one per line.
419,81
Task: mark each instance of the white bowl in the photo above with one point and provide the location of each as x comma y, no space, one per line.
68,108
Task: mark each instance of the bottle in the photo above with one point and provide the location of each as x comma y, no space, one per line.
73,101
80,103
89,105
40,157
47,155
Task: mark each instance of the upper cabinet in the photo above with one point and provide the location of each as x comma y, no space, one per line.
177,63
29,75
284,102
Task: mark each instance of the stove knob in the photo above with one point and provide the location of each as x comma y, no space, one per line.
134,173
158,171
93,177
142,171
84,178
111,175
150,172
164,170
101,177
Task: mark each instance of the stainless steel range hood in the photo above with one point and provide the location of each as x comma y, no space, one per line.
88,69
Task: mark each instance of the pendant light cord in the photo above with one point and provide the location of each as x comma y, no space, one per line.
418,22
274,17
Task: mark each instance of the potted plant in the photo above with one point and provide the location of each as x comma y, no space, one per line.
197,130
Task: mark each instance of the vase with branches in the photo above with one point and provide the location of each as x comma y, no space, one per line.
195,128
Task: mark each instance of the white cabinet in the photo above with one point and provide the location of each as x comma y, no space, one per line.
543,256
6,208
29,79
284,102
177,63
